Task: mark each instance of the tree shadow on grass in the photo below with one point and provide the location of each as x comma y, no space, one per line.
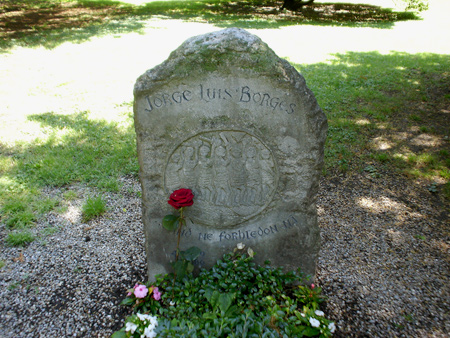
386,111
78,149
51,23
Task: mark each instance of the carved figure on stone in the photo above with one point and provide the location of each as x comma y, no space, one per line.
237,175
221,183
205,174
267,171
190,161
175,171
226,170
253,174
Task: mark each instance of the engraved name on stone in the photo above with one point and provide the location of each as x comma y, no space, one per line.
232,174
244,95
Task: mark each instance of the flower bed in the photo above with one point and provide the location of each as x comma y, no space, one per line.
235,298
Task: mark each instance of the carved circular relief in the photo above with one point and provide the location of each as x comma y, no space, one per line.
232,174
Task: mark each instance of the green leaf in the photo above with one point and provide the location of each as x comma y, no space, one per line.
189,267
119,334
170,222
208,294
311,332
232,311
127,301
180,269
192,253
212,297
225,301
209,315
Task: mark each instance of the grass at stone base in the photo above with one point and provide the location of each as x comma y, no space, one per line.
385,112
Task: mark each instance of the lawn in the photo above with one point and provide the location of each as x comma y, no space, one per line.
67,83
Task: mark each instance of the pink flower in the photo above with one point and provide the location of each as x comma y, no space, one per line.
140,291
156,294
130,290
312,286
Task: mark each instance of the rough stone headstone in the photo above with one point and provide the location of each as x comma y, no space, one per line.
227,118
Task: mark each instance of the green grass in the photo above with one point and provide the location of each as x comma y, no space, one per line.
19,238
21,209
70,195
365,95
83,19
93,207
49,231
77,148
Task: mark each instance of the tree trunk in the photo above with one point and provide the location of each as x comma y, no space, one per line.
295,5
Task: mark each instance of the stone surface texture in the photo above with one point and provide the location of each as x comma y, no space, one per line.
226,117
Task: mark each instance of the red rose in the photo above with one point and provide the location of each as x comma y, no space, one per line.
181,198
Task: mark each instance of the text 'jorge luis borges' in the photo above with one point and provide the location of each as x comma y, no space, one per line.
243,94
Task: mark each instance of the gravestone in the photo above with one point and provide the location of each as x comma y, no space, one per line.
227,118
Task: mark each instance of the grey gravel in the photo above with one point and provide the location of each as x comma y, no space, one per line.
384,262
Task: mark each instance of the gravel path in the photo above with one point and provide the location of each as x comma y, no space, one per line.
384,263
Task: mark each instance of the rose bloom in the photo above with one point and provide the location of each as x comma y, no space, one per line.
181,198
140,291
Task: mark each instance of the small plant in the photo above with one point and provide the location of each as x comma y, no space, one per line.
17,238
49,231
382,157
416,5
415,118
92,208
2,264
235,298
446,190
373,172
433,188
70,195
14,285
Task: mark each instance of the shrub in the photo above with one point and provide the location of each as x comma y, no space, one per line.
235,298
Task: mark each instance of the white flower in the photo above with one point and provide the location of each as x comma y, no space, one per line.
149,333
332,327
314,322
153,321
130,327
319,313
250,252
143,317
241,246
172,303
